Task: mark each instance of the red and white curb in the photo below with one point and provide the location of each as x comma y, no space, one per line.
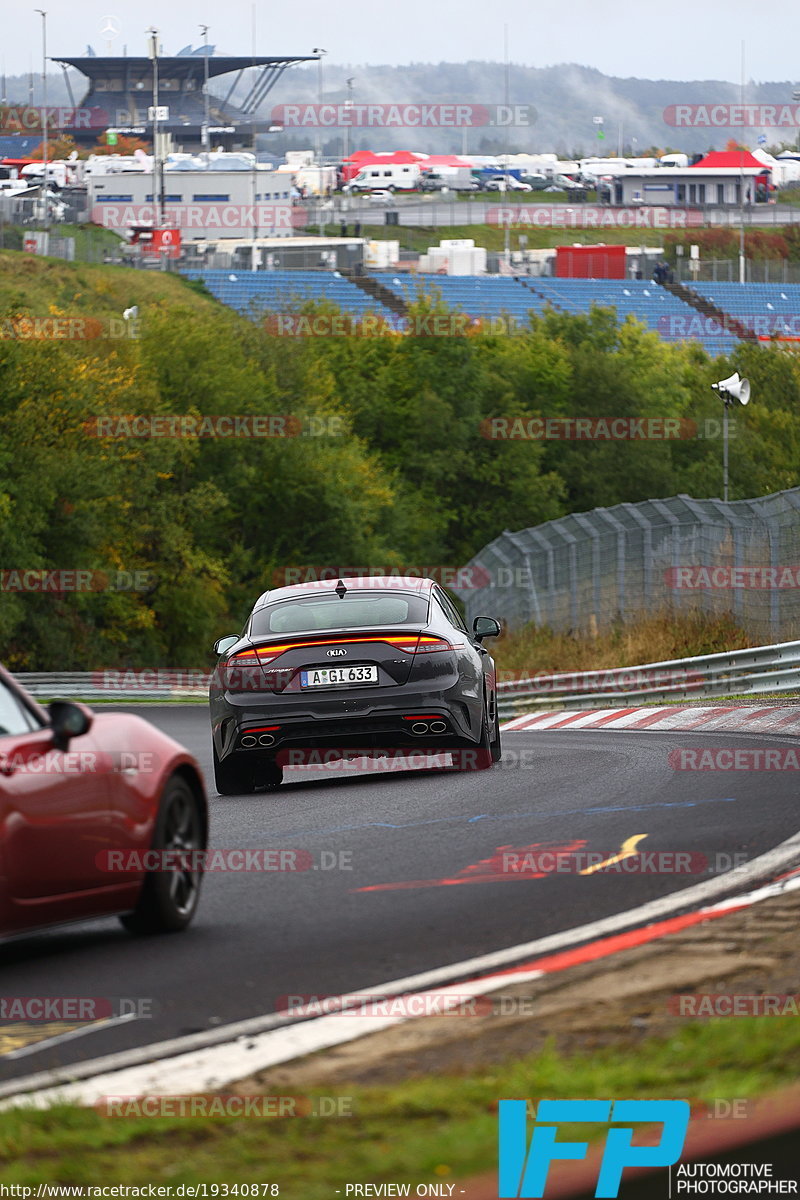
209,1062
781,719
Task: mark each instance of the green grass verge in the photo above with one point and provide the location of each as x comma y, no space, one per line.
49,286
432,1128
419,238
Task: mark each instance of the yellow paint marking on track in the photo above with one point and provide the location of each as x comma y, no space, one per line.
19,1034
627,849
20,1038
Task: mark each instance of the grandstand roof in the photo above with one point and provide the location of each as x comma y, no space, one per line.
101,67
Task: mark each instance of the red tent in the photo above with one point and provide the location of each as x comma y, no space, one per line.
367,158
730,159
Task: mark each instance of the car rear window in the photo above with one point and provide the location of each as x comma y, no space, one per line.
356,610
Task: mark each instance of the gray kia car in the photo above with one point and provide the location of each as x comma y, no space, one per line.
374,665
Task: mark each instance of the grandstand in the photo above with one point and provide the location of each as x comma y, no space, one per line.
769,306
260,293
769,309
496,295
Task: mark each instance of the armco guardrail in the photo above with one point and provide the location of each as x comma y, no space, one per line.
749,672
116,685
738,672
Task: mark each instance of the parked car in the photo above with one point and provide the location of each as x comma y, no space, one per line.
457,181
538,183
506,183
372,664
380,196
85,798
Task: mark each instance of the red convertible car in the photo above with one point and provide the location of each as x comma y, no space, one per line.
88,801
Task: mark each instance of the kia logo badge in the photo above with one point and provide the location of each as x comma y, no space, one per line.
336,653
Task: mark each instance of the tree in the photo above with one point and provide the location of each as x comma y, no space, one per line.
123,145
59,147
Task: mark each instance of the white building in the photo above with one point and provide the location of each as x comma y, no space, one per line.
684,186
202,204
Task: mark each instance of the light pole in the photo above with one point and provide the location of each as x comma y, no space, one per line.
742,262
43,15
730,389
318,50
348,104
158,175
206,120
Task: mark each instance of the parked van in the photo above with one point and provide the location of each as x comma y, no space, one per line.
394,177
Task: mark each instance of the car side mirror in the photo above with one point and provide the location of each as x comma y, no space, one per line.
68,719
483,627
223,644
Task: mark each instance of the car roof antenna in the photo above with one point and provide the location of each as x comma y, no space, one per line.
340,590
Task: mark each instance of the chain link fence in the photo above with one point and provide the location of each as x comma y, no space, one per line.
586,571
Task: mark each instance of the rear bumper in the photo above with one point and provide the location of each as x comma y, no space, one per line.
362,719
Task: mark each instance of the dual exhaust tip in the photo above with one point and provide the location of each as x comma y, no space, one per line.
420,727
248,740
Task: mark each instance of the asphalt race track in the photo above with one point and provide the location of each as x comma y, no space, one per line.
416,881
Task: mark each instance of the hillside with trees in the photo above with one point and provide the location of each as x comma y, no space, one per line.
388,463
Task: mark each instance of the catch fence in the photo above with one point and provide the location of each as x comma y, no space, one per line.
587,571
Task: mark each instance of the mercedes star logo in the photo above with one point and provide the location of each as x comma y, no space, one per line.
110,28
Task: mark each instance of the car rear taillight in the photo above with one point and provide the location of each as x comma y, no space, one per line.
245,658
268,652
242,672
429,645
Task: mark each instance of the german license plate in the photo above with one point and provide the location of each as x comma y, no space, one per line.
338,676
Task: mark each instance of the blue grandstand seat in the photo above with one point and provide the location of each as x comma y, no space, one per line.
767,308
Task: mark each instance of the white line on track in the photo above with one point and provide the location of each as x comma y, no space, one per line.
212,1060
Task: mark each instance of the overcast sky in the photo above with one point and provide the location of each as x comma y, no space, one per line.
677,39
